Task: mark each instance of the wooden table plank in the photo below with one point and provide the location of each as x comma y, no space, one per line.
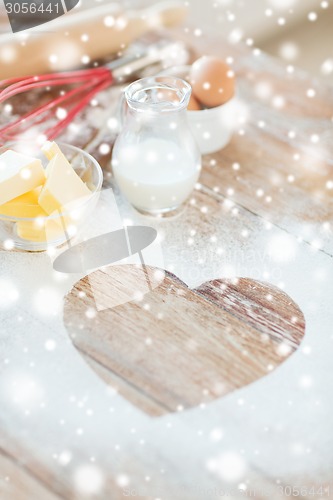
160,346
17,483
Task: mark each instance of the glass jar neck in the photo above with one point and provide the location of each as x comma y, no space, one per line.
161,95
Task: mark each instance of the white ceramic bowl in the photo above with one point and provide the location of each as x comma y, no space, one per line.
88,169
213,127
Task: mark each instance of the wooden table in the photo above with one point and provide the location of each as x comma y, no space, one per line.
263,210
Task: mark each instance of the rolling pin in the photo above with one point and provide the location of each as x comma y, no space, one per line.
78,37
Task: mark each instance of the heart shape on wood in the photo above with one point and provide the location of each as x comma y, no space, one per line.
177,348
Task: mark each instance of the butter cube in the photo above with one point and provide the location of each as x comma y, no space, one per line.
18,175
62,187
25,205
50,149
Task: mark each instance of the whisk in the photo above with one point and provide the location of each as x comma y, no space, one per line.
87,82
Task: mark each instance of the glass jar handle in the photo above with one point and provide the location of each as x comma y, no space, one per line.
121,111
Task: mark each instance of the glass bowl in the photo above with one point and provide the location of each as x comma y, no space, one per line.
41,233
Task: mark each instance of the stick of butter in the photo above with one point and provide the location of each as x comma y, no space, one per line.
62,187
25,205
18,175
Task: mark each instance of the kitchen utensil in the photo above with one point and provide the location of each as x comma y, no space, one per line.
92,34
87,83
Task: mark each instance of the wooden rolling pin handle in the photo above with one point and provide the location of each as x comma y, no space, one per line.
66,46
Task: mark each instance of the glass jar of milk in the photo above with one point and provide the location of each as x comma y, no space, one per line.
156,161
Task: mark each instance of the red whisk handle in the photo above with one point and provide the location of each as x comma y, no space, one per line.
86,84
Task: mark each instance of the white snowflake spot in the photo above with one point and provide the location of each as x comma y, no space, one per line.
90,313
235,36
312,16
283,350
85,59
65,458
104,149
315,139
25,173
229,466
216,434
8,108
61,113
282,248
8,244
306,350
306,382
88,480
327,67
278,102
53,58
122,480
109,21
50,345
289,51
8,54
